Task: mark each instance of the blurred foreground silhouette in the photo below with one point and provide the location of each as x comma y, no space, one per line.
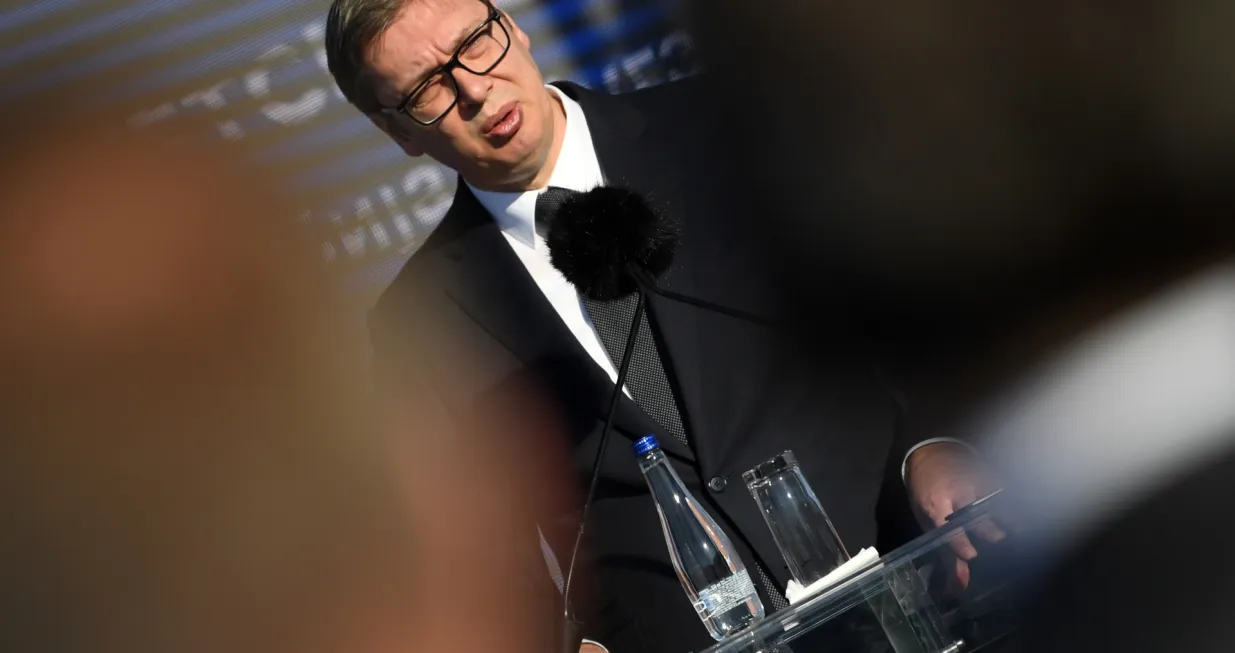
194,455
974,185
1029,208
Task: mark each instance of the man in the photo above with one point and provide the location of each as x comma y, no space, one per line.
455,80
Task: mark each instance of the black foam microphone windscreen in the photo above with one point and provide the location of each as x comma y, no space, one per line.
596,235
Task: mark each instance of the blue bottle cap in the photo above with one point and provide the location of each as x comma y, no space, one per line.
645,444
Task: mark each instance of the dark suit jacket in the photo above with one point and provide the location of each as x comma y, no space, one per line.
745,395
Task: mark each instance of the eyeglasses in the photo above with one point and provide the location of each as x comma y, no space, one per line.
479,53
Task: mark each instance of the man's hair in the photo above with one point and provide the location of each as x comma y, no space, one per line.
352,27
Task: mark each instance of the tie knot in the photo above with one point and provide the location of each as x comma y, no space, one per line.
547,204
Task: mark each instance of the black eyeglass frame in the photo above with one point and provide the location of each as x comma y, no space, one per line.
495,17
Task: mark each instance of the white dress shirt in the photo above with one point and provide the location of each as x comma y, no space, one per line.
578,169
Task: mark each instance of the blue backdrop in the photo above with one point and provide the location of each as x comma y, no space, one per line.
257,69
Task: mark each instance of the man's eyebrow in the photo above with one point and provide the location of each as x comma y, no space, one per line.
455,44
463,33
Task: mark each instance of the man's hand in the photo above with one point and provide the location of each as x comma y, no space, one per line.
942,478
592,647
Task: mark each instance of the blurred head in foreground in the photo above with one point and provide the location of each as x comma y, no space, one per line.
985,187
193,459
1035,198
960,172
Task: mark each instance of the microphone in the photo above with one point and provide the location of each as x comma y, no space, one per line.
594,239
610,242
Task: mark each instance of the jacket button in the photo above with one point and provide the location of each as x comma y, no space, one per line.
717,484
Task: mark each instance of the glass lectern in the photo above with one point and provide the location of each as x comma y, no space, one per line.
904,602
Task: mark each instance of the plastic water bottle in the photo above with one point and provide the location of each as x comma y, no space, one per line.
713,576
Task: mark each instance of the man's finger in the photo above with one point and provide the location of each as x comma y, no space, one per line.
962,573
963,547
988,531
956,578
954,497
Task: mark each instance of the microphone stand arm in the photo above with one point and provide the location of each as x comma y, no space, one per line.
648,285
572,636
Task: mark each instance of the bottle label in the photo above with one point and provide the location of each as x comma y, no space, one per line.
725,595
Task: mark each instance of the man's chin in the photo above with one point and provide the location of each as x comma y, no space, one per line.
499,177
513,165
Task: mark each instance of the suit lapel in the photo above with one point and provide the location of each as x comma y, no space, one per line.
631,158
491,285
485,278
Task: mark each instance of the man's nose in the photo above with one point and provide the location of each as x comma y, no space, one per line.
473,88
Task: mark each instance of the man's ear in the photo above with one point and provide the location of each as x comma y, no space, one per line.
519,34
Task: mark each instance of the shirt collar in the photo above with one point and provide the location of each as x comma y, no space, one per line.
577,168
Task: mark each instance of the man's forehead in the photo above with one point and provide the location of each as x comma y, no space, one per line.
424,33
421,37
443,19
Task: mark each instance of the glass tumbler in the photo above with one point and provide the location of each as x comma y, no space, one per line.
801,528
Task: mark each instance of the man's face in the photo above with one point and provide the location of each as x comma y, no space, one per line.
500,133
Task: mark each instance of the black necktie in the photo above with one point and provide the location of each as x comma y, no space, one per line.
646,378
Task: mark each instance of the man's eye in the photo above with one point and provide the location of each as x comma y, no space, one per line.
479,42
429,94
